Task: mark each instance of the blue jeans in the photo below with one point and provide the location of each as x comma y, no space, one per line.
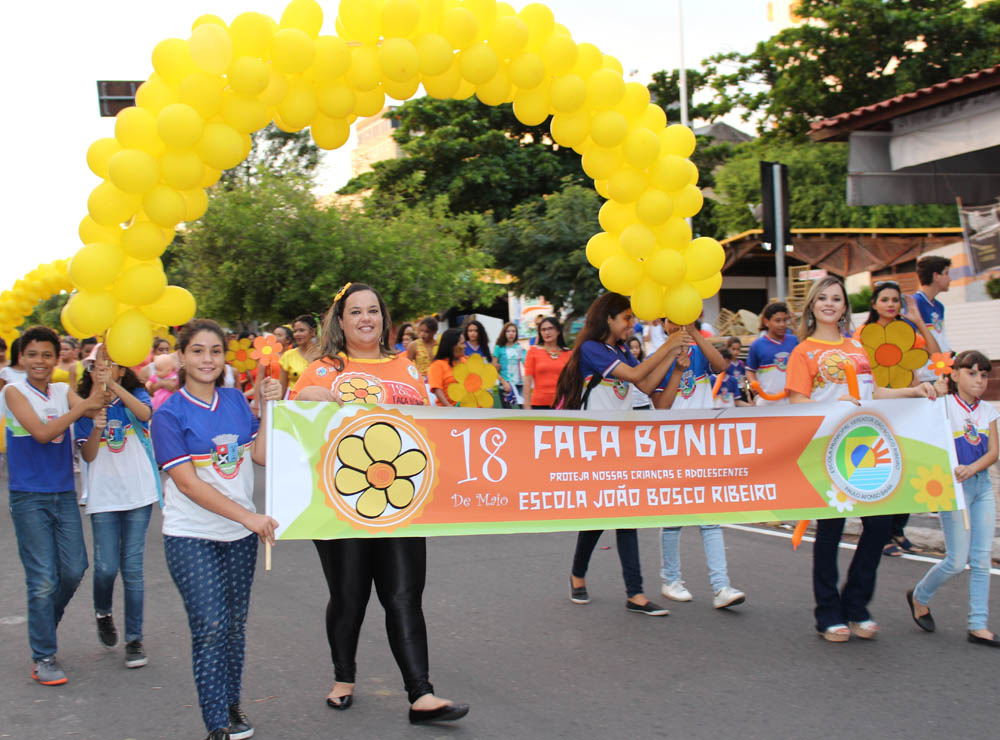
214,579
119,544
628,553
50,542
715,555
972,546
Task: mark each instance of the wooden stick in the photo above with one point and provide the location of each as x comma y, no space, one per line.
267,556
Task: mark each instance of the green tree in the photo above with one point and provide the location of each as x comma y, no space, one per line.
275,152
47,313
849,53
665,91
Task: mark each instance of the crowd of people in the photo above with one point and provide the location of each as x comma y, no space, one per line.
189,415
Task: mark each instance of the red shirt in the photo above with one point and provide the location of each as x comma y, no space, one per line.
544,371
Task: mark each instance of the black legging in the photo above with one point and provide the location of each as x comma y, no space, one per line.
398,567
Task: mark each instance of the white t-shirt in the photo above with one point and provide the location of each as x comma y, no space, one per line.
970,427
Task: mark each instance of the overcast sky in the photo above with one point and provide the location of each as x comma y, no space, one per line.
53,53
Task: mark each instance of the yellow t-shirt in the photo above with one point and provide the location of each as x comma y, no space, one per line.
294,364
62,376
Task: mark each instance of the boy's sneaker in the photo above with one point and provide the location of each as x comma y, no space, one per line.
135,656
728,596
675,591
106,631
239,725
48,672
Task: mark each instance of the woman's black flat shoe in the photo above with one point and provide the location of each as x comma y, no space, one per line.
992,641
341,702
924,622
447,713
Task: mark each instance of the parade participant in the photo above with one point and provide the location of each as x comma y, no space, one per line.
421,352
974,427
284,336
43,502
816,373
160,347
355,343
507,358
206,437
122,485
13,372
406,334
598,376
694,391
543,364
68,369
640,401
297,359
767,358
477,342
450,350
934,274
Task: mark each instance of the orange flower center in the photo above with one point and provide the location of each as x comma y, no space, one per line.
934,488
888,355
381,475
473,383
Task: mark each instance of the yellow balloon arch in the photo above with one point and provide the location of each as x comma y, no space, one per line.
194,115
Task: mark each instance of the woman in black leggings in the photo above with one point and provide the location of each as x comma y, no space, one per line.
355,344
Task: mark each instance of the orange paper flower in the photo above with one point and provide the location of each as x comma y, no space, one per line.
266,350
239,355
473,379
941,363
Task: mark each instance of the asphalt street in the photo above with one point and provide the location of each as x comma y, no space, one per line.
505,638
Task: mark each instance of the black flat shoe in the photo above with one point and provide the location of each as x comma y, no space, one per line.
578,594
993,641
341,702
447,713
925,622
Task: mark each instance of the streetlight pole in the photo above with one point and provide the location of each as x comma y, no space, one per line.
682,69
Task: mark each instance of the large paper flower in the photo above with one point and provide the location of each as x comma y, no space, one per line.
473,379
238,355
266,351
892,354
376,466
934,488
942,363
840,500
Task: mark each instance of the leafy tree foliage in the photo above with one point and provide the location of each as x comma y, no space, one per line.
47,312
665,91
274,152
850,53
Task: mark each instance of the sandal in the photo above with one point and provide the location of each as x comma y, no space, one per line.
836,633
904,544
892,551
865,630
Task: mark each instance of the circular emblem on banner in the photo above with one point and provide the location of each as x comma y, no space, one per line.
377,469
863,459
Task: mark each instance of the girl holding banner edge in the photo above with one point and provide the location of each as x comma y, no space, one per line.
355,340
598,376
816,372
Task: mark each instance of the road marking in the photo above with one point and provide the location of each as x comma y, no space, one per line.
845,545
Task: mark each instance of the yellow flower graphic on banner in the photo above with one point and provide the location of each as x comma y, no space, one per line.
934,488
473,379
891,353
360,389
376,466
238,355
840,500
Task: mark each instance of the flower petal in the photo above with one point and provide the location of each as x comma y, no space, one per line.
872,336
461,371
400,493
881,376
382,442
410,463
371,503
349,481
484,399
490,376
351,451
900,377
914,359
901,334
455,391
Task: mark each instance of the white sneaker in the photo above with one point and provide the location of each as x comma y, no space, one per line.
728,596
676,591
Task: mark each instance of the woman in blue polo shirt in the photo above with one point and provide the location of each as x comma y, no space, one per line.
206,438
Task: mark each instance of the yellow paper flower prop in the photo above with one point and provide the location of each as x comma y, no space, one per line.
891,353
238,355
473,378
360,390
376,466
934,488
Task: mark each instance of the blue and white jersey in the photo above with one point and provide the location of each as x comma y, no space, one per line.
695,390
729,390
121,477
970,426
33,466
216,438
932,312
598,358
769,359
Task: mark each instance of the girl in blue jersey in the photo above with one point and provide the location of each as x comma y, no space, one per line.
767,359
206,439
974,427
599,375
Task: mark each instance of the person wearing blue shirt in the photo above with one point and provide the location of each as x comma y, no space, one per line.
934,274
768,355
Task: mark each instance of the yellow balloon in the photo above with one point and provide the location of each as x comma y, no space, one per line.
633,104
203,92
559,54
172,60
459,26
361,20
174,307
600,162
292,50
208,18
140,284
614,216
704,257
443,86
95,265
211,48
679,140
674,234
249,75
666,266
195,204
669,173
647,300
332,60
129,338
688,201
221,147
497,90
601,186
609,62
100,153
335,100
588,60
305,15
251,34
179,125
509,37
641,147
277,88
531,107
329,133
68,324
570,129
181,168
144,240
478,64
486,15
401,90
602,246
527,70
568,93
608,128
682,304
210,177
92,311
653,118
436,55
133,170
244,112
654,207
605,89
627,184
540,22
369,103
465,89
109,206
364,73
620,274
638,241
135,128
400,18
164,206
90,231
154,94
399,59
709,286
